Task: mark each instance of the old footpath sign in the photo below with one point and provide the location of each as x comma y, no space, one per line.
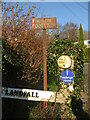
34,95
43,23
67,76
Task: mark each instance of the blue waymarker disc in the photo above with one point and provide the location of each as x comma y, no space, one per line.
67,76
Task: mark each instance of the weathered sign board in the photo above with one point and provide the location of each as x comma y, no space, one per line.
33,95
64,61
44,23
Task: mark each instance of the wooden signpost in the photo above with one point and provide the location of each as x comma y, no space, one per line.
44,23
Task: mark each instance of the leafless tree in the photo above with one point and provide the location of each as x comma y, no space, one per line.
17,31
69,30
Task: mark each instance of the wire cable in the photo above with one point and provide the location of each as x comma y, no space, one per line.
78,3
74,14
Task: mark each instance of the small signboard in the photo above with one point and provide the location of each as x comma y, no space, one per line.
64,61
67,76
44,23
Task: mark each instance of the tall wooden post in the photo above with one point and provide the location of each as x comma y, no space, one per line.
45,59
44,23
44,63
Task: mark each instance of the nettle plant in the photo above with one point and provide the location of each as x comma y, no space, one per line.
66,47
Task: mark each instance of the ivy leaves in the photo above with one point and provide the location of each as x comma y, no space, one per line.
66,47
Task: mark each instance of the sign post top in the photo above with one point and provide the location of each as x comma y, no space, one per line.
44,23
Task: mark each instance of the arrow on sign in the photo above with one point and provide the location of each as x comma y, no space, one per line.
67,76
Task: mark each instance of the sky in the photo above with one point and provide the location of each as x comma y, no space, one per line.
45,0
76,12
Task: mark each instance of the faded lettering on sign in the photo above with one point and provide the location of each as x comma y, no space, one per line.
44,23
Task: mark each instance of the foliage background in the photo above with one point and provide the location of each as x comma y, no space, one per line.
66,47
